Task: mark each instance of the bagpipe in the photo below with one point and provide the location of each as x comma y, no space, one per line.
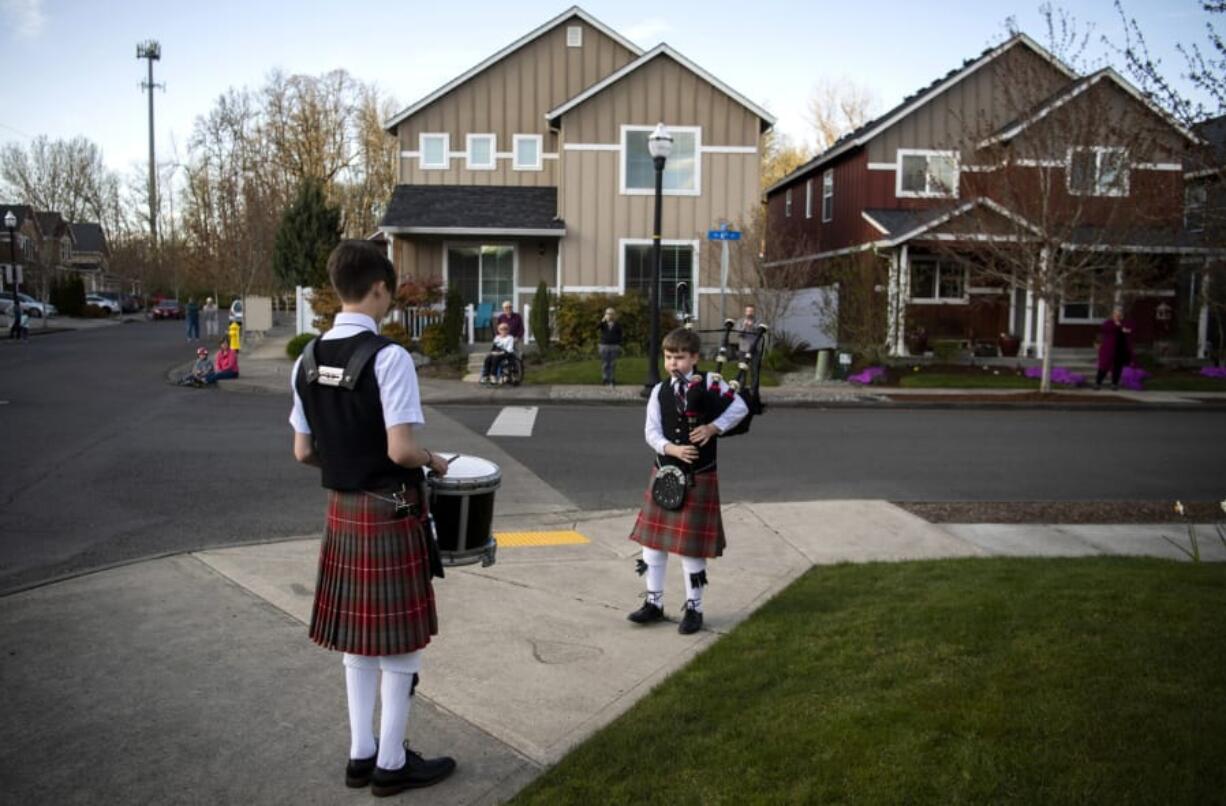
747,383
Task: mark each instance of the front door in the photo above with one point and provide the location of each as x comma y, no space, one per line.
482,273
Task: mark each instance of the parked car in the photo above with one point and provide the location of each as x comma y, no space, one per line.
127,303
29,305
167,309
103,302
236,311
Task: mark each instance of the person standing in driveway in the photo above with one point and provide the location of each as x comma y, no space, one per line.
610,346
210,318
1114,349
193,320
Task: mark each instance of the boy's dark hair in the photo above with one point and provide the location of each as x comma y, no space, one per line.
682,340
355,266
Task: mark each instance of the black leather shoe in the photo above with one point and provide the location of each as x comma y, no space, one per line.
359,770
691,622
416,773
647,614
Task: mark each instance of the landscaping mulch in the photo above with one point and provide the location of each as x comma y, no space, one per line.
1063,511
1019,397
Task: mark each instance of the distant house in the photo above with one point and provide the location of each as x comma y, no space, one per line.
533,166
977,155
56,253
29,241
1203,296
91,255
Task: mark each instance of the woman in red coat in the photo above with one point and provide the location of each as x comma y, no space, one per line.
1114,349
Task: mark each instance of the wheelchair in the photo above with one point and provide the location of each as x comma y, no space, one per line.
509,372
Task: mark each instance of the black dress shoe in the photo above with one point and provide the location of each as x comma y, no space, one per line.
647,614
691,622
359,770
416,773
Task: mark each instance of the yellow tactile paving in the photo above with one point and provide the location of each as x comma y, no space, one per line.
518,539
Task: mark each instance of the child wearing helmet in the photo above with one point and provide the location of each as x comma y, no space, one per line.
200,370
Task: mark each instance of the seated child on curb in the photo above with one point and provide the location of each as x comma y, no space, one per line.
200,370
504,346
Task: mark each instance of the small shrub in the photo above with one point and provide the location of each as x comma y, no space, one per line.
453,323
434,341
91,311
298,344
540,318
579,315
396,332
947,351
326,304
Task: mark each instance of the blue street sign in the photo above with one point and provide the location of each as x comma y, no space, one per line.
723,235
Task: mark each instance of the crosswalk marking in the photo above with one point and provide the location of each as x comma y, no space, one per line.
513,421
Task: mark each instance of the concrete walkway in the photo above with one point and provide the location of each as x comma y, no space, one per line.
189,679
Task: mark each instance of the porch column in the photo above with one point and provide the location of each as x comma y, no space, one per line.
891,338
1012,305
1028,323
1202,319
904,294
1118,296
391,251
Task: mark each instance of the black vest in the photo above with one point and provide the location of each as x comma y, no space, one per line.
347,425
708,404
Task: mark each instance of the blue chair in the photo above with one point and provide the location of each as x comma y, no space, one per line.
482,315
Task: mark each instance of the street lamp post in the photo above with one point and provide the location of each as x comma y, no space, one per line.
660,145
10,223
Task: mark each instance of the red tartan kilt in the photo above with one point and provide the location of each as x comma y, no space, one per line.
695,530
373,594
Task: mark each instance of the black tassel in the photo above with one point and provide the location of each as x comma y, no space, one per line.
640,567
698,579
413,685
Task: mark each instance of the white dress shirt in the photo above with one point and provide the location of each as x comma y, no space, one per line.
654,432
394,372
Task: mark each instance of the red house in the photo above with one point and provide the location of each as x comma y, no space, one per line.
1009,196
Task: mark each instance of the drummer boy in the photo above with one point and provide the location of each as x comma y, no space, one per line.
356,403
685,416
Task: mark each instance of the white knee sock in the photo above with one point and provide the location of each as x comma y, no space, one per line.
361,680
695,579
657,566
399,674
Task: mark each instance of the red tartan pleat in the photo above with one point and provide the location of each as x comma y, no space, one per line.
695,530
373,594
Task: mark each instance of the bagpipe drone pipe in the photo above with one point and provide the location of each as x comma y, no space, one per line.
747,382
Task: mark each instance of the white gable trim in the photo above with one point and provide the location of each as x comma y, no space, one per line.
1106,72
660,50
573,11
881,126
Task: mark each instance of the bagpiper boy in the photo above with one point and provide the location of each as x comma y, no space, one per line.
356,402
680,514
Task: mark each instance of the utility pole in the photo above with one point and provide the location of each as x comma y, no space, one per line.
151,52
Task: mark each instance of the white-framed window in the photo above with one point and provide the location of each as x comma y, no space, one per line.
480,152
828,195
433,151
678,263
808,198
526,151
574,36
682,171
926,174
787,203
65,249
1091,303
934,280
1097,171
1195,196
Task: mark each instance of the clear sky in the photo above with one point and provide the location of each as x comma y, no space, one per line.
70,67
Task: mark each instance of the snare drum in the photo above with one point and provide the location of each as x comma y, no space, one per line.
462,503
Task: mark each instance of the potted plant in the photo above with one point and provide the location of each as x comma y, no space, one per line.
917,341
1010,345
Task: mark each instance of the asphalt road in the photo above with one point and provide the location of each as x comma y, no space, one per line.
104,461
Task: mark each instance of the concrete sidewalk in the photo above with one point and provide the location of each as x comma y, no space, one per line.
267,370
189,679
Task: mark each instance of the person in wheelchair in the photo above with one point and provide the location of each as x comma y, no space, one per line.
500,356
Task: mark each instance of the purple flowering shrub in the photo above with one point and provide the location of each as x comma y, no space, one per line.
1059,376
869,376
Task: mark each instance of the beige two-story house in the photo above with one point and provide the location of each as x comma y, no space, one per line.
533,166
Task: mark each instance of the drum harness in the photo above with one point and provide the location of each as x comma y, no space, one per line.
347,378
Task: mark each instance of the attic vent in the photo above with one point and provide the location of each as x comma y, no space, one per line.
574,36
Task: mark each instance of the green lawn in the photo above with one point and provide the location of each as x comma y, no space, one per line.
952,380
629,371
1185,383
1096,680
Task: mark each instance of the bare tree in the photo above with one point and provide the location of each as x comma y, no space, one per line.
837,106
65,176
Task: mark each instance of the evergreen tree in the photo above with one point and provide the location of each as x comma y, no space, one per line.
540,318
453,320
309,230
